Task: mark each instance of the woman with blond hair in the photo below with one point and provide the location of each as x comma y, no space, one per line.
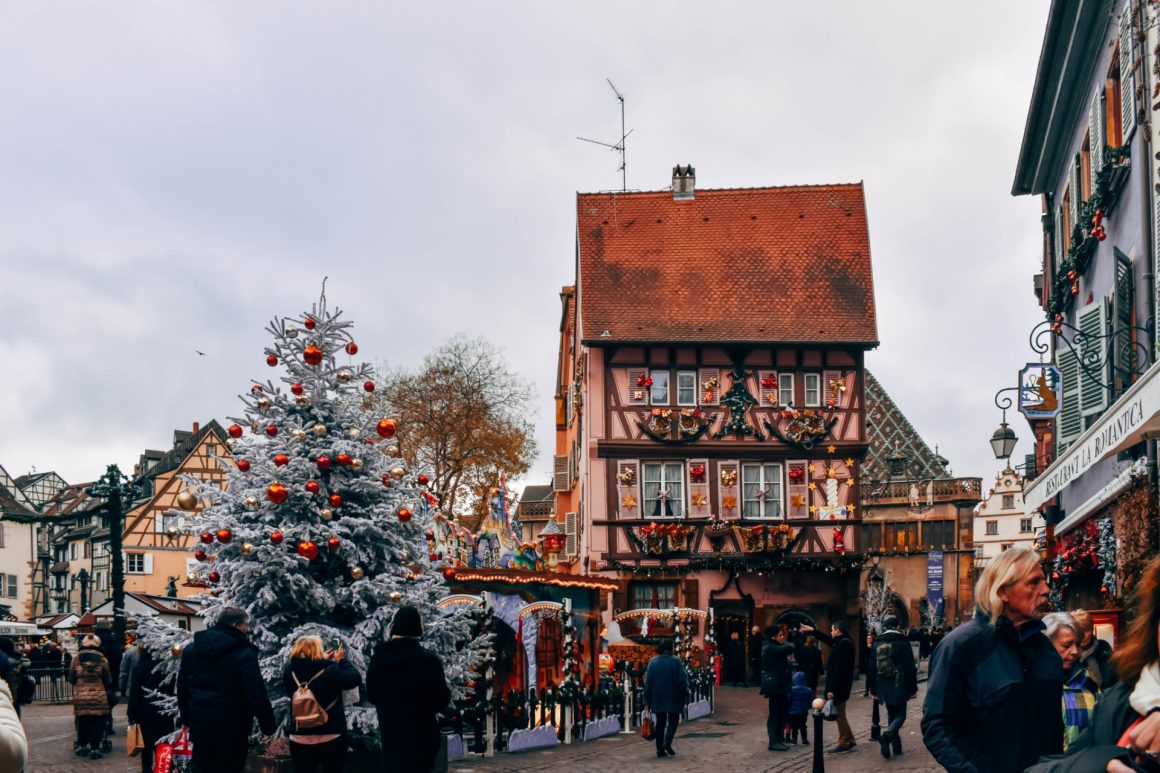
326,674
995,689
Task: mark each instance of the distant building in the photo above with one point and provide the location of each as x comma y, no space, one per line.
537,506
19,523
1000,520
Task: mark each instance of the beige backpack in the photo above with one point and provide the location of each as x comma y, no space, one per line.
305,708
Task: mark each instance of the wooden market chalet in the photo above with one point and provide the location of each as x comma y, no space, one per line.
710,404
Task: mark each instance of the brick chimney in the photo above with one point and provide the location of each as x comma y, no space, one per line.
684,181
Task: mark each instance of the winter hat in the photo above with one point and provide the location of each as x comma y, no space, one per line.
407,623
91,640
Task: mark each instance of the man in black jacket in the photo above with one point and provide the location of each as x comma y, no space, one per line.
775,685
994,693
892,678
839,678
220,692
756,642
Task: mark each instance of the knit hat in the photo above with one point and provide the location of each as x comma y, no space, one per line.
407,623
91,640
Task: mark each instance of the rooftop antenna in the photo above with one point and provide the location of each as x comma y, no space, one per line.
618,147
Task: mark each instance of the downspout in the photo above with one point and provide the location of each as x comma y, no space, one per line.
1148,198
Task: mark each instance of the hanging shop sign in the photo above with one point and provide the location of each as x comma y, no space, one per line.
1040,391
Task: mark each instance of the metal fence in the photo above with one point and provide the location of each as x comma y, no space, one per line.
52,685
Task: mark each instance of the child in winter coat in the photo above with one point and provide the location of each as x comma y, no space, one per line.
800,698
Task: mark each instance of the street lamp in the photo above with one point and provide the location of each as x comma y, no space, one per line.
1004,438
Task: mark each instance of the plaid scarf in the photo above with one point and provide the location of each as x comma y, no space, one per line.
1080,693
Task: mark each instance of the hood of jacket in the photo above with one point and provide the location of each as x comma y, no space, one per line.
398,651
219,641
799,679
891,636
90,660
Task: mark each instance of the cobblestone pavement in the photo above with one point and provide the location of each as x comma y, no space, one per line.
51,734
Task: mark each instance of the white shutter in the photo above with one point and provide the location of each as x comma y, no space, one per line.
148,563
709,395
767,395
628,485
159,522
562,476
1093,392
637,395
1074,198
1069,424
841,399
571,535
1127,72
1096,136
1060,246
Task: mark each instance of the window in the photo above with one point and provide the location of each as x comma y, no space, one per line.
654,596
785,388
1024,525
1084,168
88,548
813,383
871,537
658,394
901,535
992,528
664,489
73,552
686,387
761,491
1006,546
1008,501
168,521
10,586
1,535
135,563
1114,125
979,551
938,535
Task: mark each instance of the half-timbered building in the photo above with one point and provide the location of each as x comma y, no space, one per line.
710,410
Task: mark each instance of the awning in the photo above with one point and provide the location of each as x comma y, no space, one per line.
1133,418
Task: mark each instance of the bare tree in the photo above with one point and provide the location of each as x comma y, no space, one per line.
463,417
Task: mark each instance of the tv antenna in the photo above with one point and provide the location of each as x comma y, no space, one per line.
619,146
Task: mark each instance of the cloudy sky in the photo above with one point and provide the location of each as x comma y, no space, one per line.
177,173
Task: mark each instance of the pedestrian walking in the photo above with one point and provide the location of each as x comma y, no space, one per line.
893,680
809,661
129,662
800,698
141,709
93,686
775,685
839,679
220,691
756,642
1094,654
1124,732
113,650
864,663
735,661
666,688
406,685
1080,691
994,689
325,674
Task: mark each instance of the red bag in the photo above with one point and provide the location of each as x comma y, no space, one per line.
173,753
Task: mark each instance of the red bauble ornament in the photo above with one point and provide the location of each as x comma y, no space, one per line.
276,537
312,354
369,386
272,361
334,543
336,500
308,550
214,577
323,463
297,389
235,431
206,537
433,558
309,323
277,493
1104,590
423,479
343,459
199,554
351,348
224,535
272,430
312,486
281,460
404,514
255,389
387,428
449,574
1056,576
243,465
387,482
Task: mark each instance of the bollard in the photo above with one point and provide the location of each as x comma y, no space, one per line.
875,719
627,705
819,755
567,714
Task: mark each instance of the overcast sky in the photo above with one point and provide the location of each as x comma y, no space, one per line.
174,174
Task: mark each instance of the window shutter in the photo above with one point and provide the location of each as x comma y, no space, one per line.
159,522
841,399
1069,424
562,477
1073,200
148,563
710,392
637,395
1121,319
1096,136
1093,324
731,491
767,396
1127,73
797,489
698,488
629,471
1061,246
571,535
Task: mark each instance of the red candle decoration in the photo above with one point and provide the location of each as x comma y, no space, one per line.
276,537
334,543
369,386
296,389
272,361
404,514
335,500
243,465
309,323
280,460
312,487
323,463
235,431
351,348
308,550
386,428
272,430
277,493
224,535
206,537
312,355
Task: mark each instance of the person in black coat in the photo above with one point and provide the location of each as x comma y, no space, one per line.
893,680
113,652
775,685
327,674
839,677
756,642
666,691
735,660
220,692
406,685
141,710
809,661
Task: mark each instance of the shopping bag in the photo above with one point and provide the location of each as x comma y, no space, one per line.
646,727
134,742
830,710
173,753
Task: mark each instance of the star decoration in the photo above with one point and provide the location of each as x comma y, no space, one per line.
850,508
729,503
831,449
850,463
797,500
629,501
698,499
849,481
813,509
813,486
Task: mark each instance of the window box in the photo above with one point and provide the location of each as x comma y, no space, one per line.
764,539
661,538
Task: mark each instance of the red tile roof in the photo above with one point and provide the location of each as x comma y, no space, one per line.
779,265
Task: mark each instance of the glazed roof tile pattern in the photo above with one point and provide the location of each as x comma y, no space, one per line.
887,431
780,265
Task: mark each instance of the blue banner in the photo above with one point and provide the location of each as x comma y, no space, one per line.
934,582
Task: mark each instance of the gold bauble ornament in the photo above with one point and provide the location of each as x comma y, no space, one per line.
247,549
326,513
263,404
251,503
397,473
356,465
343,376
392,450
297,434
172,532
405,555
396,596
354,433
291,332
176,650
319,430
186,500
357,573
302,401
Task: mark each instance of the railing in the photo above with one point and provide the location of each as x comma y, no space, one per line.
52,685
925,491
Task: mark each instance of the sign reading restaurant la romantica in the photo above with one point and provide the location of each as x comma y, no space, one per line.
1113,430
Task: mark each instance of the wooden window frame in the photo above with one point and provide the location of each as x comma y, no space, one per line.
1113,115
992,528
660,381
817,399
653,593
770,474
782,389
693,388
676,504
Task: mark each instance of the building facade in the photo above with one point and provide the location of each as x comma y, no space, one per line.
1001,520
710,404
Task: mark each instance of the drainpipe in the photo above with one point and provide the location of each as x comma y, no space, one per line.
1148,198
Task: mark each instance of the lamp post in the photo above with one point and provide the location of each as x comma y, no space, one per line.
119,491
1004,438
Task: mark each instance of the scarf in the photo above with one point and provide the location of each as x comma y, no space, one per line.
1146,693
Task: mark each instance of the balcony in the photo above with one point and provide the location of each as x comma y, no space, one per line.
928,492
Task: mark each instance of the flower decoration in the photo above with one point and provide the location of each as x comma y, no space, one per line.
797,473
728,477
697,473
644,380
627,475
769,382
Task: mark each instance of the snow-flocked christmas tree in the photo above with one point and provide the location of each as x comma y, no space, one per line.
320,529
